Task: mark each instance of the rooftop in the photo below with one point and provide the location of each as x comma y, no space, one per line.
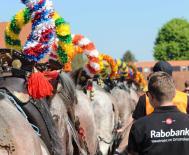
152,63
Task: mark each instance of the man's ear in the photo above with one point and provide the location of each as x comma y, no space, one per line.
152,100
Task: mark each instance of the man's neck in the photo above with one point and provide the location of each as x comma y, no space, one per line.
166,104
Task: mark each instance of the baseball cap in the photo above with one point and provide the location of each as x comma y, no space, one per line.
164,67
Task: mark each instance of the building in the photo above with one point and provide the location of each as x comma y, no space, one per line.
178,66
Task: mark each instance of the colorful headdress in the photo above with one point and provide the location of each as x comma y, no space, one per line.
130,72
111,62
88,48
42,36
138,78
63,49
41,41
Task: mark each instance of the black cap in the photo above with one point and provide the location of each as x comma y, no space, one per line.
164,67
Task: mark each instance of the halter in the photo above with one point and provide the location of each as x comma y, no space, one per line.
14,64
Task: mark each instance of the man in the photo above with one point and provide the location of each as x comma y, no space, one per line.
144,107
166,130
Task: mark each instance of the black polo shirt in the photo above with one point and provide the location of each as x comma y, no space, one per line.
140,110
164,132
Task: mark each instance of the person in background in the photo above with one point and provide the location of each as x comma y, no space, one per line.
143,108
164,131
186,87
181,100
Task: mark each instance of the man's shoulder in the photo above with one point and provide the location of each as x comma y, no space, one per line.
147,120
183,116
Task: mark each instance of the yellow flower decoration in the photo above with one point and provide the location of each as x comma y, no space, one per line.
112,64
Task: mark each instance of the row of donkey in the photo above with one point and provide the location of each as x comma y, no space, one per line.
67,123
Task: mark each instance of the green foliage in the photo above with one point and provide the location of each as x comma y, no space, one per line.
128,57
172,42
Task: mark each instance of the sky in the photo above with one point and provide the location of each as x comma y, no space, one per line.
114,25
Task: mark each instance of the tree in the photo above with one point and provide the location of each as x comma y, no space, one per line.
128,57
172,42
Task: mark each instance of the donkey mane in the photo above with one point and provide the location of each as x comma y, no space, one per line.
68,94
68,86
75,75
55,138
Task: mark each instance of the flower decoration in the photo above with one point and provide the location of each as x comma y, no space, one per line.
138,78
122,68
66,49
62,47
41,39
112,63
89,49
130,72
14,27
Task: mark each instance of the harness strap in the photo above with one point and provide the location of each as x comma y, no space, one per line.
44,121
75,136
116,135
4,93
106,142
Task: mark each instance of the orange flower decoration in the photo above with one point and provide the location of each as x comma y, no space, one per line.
112,64
67,67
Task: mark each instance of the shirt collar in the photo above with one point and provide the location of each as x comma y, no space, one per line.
166,109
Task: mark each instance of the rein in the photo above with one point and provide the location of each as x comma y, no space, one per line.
113,139
106,142
75,136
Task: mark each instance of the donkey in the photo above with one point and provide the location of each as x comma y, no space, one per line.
103,110
60,106
126,94
16,133
84,111
63,108
106,117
